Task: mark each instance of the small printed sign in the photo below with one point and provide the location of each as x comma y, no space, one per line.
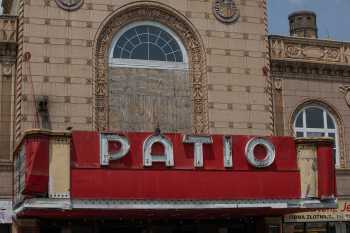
6,212
342,213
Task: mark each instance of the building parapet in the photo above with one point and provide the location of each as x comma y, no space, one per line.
309,50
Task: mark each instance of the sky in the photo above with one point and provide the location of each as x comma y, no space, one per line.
333,17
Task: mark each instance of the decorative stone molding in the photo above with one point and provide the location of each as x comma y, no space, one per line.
8,29
278,84
345,89
7,69
151,11
225,11
70,5
310,50
291,69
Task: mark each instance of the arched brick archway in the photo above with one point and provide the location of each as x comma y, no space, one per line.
191,39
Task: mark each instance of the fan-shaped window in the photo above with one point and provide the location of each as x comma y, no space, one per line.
315,121
149,44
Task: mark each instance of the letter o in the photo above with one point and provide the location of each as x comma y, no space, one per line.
270,152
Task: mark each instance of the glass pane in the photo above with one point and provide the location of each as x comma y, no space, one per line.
155,53
174,45
314,118
144,38
299,121
165,36
330,123
170,57
141,29
167,49
117,52
161,42
293,228
314,134
147,42
316,227
122,40
154,30
152,38
135,40
300,134
332,135
141,52
125,54
178,56
129,47
130,33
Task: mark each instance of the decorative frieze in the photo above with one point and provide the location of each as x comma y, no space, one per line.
310,50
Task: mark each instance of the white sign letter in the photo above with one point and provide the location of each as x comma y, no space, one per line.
198,147
228,152
148,158
105,156
270,152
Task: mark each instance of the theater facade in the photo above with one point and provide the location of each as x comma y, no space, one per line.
151,116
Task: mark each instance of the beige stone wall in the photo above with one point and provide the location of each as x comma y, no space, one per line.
6,116
6,181
295,92
62,47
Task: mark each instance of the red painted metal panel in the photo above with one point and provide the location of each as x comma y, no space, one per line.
186,185
37,165
127,178
85,149
326,171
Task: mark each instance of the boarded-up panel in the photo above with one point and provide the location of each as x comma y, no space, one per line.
59,167
144,99
307,163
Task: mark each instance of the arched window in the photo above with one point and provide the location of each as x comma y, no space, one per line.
316,121
148,44
149,84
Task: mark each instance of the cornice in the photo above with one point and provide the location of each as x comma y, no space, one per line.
335,55
310,41
310,70
343,172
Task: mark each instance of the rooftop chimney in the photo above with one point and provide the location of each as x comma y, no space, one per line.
303,24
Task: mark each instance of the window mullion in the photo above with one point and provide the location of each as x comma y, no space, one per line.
147,43
325,119
304,123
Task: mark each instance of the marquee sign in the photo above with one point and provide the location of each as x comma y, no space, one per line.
161,168
198,143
